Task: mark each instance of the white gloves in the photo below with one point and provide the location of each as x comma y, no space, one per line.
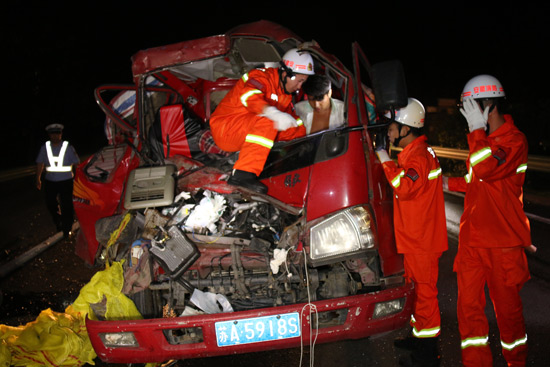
281,120
472,112
383,155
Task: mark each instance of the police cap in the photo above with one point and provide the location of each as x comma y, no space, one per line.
54,128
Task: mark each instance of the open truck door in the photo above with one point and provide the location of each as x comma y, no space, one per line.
379,88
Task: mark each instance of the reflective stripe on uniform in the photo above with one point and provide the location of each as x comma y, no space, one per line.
248,94
56,163
516,343
475,342
397,179
426,333
468,176
480,155
245,77
434,173
521,168
260,140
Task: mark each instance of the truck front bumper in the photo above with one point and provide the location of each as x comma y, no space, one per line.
351,317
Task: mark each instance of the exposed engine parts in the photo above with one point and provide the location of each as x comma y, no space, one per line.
249,251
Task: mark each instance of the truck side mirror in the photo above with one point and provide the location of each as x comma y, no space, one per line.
390,87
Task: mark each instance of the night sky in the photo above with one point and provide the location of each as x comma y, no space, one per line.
57,54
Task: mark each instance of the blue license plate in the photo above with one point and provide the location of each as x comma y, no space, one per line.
257,329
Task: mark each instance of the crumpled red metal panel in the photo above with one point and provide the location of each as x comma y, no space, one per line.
154,58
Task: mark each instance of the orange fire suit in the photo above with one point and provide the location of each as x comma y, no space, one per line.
420,228
236,123
493,233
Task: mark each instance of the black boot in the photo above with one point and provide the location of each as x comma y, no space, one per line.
426,354
407,343
248,180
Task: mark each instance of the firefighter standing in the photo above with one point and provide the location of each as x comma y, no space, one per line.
494,230
57,158
420,225
257,112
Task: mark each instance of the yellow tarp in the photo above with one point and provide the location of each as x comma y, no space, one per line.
61,339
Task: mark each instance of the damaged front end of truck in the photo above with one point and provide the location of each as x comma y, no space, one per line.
216,269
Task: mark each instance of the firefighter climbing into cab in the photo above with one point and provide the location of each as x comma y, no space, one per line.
258,111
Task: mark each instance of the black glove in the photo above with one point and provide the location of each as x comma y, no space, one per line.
380,140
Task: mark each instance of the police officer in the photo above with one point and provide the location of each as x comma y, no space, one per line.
57,158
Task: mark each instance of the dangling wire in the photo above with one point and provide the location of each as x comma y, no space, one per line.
312,310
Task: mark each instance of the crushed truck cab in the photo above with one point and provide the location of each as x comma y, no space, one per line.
216,269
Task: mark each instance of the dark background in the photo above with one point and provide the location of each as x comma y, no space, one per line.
56,53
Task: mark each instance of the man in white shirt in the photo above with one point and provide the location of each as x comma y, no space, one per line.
320,111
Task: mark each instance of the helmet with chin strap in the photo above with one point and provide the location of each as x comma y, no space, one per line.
411,115
295,61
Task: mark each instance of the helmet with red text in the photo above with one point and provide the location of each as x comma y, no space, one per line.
486,90
295,61
483,86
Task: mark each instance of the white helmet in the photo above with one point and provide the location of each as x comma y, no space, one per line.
298,62
411,115
483,86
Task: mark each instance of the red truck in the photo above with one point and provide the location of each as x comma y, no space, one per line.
217,269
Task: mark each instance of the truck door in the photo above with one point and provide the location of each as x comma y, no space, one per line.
380,192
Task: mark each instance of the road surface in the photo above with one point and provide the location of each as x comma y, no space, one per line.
53,278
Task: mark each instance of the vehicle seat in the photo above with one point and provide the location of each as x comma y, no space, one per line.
176,132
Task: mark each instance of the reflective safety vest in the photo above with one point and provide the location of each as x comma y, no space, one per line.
56,163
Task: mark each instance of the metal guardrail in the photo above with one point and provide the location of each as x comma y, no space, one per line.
534,162
15,173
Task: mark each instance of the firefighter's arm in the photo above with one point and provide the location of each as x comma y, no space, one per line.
256,96
455,184
281,120
405,181
496,161
253,96
254,100
292,133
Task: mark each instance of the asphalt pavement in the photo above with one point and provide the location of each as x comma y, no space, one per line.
46,280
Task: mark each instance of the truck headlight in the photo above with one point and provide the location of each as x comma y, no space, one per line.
341,236
122,339
383,309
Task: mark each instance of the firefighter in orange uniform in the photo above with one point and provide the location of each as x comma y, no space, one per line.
420,226
494,231
258,111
